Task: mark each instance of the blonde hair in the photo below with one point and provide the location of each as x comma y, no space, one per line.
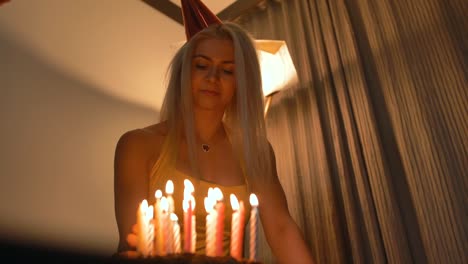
243,119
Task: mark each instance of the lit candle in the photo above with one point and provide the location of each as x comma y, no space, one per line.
210,226
159,242
220,207
188,213
253,227
150,231
193,243
176,239
145,229
164,224
169,192
237,227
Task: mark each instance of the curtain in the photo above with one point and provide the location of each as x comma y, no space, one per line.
371,144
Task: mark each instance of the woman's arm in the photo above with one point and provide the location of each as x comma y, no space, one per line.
130,185
281,231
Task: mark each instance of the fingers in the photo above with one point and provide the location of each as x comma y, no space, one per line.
132,240
135,229
129,254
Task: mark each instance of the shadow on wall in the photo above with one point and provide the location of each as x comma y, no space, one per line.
57,142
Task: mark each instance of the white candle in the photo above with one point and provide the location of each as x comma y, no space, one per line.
253,227
194,235
169,192
159,242
175,224
150,231
193,226
145,229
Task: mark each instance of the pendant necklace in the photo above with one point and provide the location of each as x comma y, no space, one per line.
205,147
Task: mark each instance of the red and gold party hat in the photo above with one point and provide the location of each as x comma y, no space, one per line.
3,1
196,17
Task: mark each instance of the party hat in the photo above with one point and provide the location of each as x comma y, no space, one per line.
196,17
3,1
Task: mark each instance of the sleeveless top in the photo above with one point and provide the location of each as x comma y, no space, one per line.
201,191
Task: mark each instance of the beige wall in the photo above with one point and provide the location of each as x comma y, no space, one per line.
57,140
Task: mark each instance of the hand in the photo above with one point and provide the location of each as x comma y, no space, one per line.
132,241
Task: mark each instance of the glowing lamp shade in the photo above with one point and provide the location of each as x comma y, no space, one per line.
277,68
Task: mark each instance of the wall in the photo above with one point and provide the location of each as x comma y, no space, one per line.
57,141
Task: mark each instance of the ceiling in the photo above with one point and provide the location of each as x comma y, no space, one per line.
120,47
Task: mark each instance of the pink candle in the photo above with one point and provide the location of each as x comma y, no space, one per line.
253,227
237,227
164,219
188,214
220,207
187,225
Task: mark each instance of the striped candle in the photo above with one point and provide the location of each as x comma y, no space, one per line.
253,228
220,208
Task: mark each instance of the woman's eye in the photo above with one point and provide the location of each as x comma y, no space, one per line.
228,71
200,66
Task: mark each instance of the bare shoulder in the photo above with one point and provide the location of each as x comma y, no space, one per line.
158,130
142,141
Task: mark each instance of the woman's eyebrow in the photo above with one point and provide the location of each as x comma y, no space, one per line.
208,58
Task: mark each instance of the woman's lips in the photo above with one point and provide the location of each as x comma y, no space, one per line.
209,92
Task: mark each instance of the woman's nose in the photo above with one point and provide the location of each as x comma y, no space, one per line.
213,73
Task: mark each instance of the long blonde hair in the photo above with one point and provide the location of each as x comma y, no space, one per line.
243,119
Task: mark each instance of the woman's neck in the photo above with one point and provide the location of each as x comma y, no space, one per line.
208,125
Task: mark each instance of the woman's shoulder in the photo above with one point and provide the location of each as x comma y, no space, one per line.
143,139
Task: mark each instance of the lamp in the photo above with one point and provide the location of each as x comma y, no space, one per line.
277,68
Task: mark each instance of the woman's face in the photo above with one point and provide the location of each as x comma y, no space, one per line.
213,74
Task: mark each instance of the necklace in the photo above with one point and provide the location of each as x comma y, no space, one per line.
205,147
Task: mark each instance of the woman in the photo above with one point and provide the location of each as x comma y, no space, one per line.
213,133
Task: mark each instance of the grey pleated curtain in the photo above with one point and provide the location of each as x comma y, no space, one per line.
371,145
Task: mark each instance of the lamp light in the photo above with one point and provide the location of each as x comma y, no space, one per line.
277,68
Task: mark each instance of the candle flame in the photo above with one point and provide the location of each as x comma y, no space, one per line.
192,199
208,206
253,200
158,194
144,204
234,202
174,217
188,186
164,204
149,213
218,194
185,205
169,187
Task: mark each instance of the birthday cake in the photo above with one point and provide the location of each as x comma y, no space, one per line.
187,258
160,239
